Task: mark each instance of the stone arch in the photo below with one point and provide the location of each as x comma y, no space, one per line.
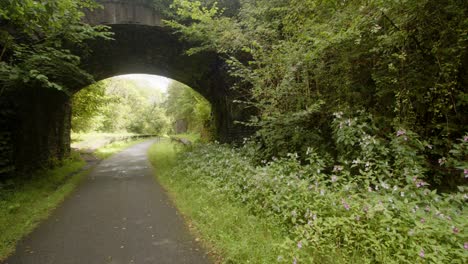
41,125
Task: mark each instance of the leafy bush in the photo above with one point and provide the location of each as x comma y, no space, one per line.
372,204
403,61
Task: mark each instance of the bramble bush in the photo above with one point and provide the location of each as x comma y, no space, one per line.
371,203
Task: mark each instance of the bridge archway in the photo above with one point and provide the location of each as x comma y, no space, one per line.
141,44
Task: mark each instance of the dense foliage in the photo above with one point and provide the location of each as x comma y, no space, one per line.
35,41
367,211
117,105
185,105
402,62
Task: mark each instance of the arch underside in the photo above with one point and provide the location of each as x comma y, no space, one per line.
158,51
38,129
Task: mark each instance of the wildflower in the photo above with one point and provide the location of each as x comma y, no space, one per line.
405,138
411,232
423,220
402,194
400,132
421,183
334,178
465,138
427,209
295,261
465,246
429,146
441,161
395,188
455,230
322,192
337,168
358,218
314,217
465,171
385,186
345,204
421,253
299,245
369,189
338,114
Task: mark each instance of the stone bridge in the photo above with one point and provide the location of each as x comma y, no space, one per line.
141,44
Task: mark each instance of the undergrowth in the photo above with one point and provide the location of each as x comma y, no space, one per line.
24,203
228,229
369,204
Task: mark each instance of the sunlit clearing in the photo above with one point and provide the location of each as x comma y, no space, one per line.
145,80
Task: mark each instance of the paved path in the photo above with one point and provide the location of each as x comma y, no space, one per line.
119,215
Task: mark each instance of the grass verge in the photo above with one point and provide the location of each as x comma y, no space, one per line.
225,226
192,137
111,149
25,203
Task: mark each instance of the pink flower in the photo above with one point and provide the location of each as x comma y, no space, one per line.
455,230
465,138
420,183
465,246
421,253
423,220
345,204
299,245
400,132
465,171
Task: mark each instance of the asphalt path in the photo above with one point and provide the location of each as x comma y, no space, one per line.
118,215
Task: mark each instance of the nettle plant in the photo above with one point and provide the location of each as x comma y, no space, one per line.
373,205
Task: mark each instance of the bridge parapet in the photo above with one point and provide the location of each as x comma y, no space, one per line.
114,12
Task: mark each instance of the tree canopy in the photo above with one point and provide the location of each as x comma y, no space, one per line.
35,42
401,64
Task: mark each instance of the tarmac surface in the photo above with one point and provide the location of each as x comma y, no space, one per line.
118,215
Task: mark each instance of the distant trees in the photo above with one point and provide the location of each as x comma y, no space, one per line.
119,106
184,104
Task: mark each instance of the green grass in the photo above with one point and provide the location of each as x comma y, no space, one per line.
225,226
25,203
193,137
111,149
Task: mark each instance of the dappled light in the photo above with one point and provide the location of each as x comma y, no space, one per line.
131,105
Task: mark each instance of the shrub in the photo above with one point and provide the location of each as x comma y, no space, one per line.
371,203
